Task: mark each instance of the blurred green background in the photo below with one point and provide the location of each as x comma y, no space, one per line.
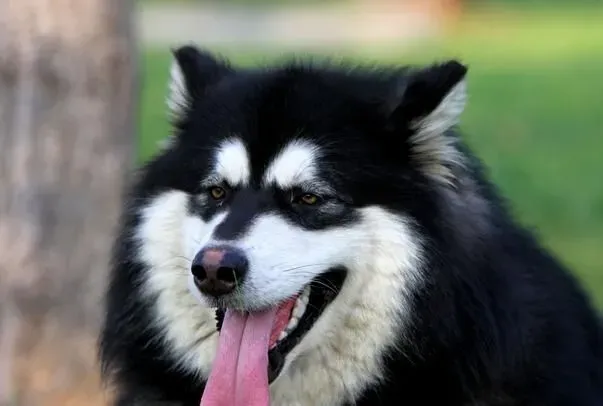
535,113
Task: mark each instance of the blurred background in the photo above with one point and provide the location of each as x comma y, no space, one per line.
82,87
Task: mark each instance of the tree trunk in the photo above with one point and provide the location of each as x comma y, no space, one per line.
67,126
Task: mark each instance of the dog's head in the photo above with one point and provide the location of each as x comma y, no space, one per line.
299,184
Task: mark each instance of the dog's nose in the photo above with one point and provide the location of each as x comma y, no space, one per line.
218,270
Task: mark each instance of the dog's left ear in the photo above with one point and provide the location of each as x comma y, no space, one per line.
429,102
192,71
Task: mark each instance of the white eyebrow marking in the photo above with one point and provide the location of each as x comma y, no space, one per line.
232,162
293,166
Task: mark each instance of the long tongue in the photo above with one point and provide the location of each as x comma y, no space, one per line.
239,375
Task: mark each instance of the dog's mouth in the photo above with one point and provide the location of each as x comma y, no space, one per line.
296,316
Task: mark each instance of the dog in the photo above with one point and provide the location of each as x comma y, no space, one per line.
317,233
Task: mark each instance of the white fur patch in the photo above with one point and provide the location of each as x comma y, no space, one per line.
294,165
232,162
168,239
432,148
177,97
342,353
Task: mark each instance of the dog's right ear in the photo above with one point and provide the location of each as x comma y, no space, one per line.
429,102
191,72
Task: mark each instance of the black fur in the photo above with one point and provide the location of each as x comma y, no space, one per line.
499,320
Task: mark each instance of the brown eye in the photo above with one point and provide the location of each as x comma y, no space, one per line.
217,192
308,199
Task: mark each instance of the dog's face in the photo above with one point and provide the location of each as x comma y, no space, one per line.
298,182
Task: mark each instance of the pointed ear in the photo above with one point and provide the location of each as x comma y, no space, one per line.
430,102
191,72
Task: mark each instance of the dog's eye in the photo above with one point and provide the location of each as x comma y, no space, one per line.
217,192
308,199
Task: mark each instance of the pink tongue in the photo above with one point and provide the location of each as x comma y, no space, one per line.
239,376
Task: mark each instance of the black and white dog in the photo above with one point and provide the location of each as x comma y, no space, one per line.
319,235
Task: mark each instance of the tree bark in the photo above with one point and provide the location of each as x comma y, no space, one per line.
67,124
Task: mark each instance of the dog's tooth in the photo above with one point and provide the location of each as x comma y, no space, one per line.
301,304
282,335
305,296
299,310
292,324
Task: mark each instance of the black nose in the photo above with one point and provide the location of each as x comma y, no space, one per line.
218,270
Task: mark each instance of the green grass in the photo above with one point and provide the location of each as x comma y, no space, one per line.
535,116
